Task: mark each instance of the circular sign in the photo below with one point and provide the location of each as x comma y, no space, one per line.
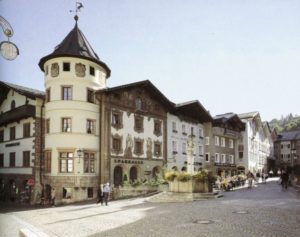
9,50
30,182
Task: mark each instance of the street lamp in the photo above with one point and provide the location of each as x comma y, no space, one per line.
79,154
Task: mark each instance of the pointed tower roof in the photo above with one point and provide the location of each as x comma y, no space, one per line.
75,45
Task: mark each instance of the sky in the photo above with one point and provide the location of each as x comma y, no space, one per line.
232,55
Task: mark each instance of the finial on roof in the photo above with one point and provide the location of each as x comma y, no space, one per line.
77,9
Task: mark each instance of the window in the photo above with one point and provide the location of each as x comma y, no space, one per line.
138,147
1,135
281,146
241,154
174,127
90,192
207,141
217,141
26,158
89,162
26,130
138,103
200,150
207,157
92,71
157,149
12,133
183,148
217,158
116,144
66,93
66,162
117,119
47,125
66,125
231,159
138,123
289,145
174,147
47,163
223,158
230,143
66,67
90,96
1,160
12,159
223,141
157,127
192,132
200,132
48,98
183,129
12,105
90,126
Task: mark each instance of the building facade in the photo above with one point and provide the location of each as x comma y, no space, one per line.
184,121
21,140
287,150
255,146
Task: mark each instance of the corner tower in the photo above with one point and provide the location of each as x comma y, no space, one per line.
73,72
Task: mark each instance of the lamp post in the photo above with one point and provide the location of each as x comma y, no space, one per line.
79,154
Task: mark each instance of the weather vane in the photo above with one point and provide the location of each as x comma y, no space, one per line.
8,49
78,6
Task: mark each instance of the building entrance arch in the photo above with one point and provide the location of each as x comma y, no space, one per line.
133,173
118,176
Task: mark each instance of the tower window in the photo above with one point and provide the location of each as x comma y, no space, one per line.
66,67
92,71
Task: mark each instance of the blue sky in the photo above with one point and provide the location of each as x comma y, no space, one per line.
232,55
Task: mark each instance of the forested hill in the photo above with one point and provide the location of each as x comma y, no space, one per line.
286,123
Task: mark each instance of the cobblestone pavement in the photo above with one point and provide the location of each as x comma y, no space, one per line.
265,210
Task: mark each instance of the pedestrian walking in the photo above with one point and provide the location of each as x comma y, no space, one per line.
53,197
250,178
284,180
100,194
106,192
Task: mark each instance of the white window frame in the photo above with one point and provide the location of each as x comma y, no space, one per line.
200,132
223,158
207,154
231,143
174,146
183,148
174,126
223,144
231,159
200,150
183,128
217,141
207,141
217,158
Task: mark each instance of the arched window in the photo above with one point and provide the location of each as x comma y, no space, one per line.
133,173
118,176
138,103
13,105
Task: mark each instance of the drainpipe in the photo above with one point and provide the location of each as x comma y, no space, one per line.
41,142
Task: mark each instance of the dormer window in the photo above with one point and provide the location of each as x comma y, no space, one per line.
66,67
138,103
92,71
13,105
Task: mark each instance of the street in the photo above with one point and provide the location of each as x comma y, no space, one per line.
265,210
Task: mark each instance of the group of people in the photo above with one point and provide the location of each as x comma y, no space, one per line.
103,194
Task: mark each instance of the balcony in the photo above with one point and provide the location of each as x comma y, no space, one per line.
15,115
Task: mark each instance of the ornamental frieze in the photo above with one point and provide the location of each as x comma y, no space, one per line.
80,70
54,70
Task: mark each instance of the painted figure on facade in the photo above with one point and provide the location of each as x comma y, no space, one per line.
190,156
149,148
129,145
